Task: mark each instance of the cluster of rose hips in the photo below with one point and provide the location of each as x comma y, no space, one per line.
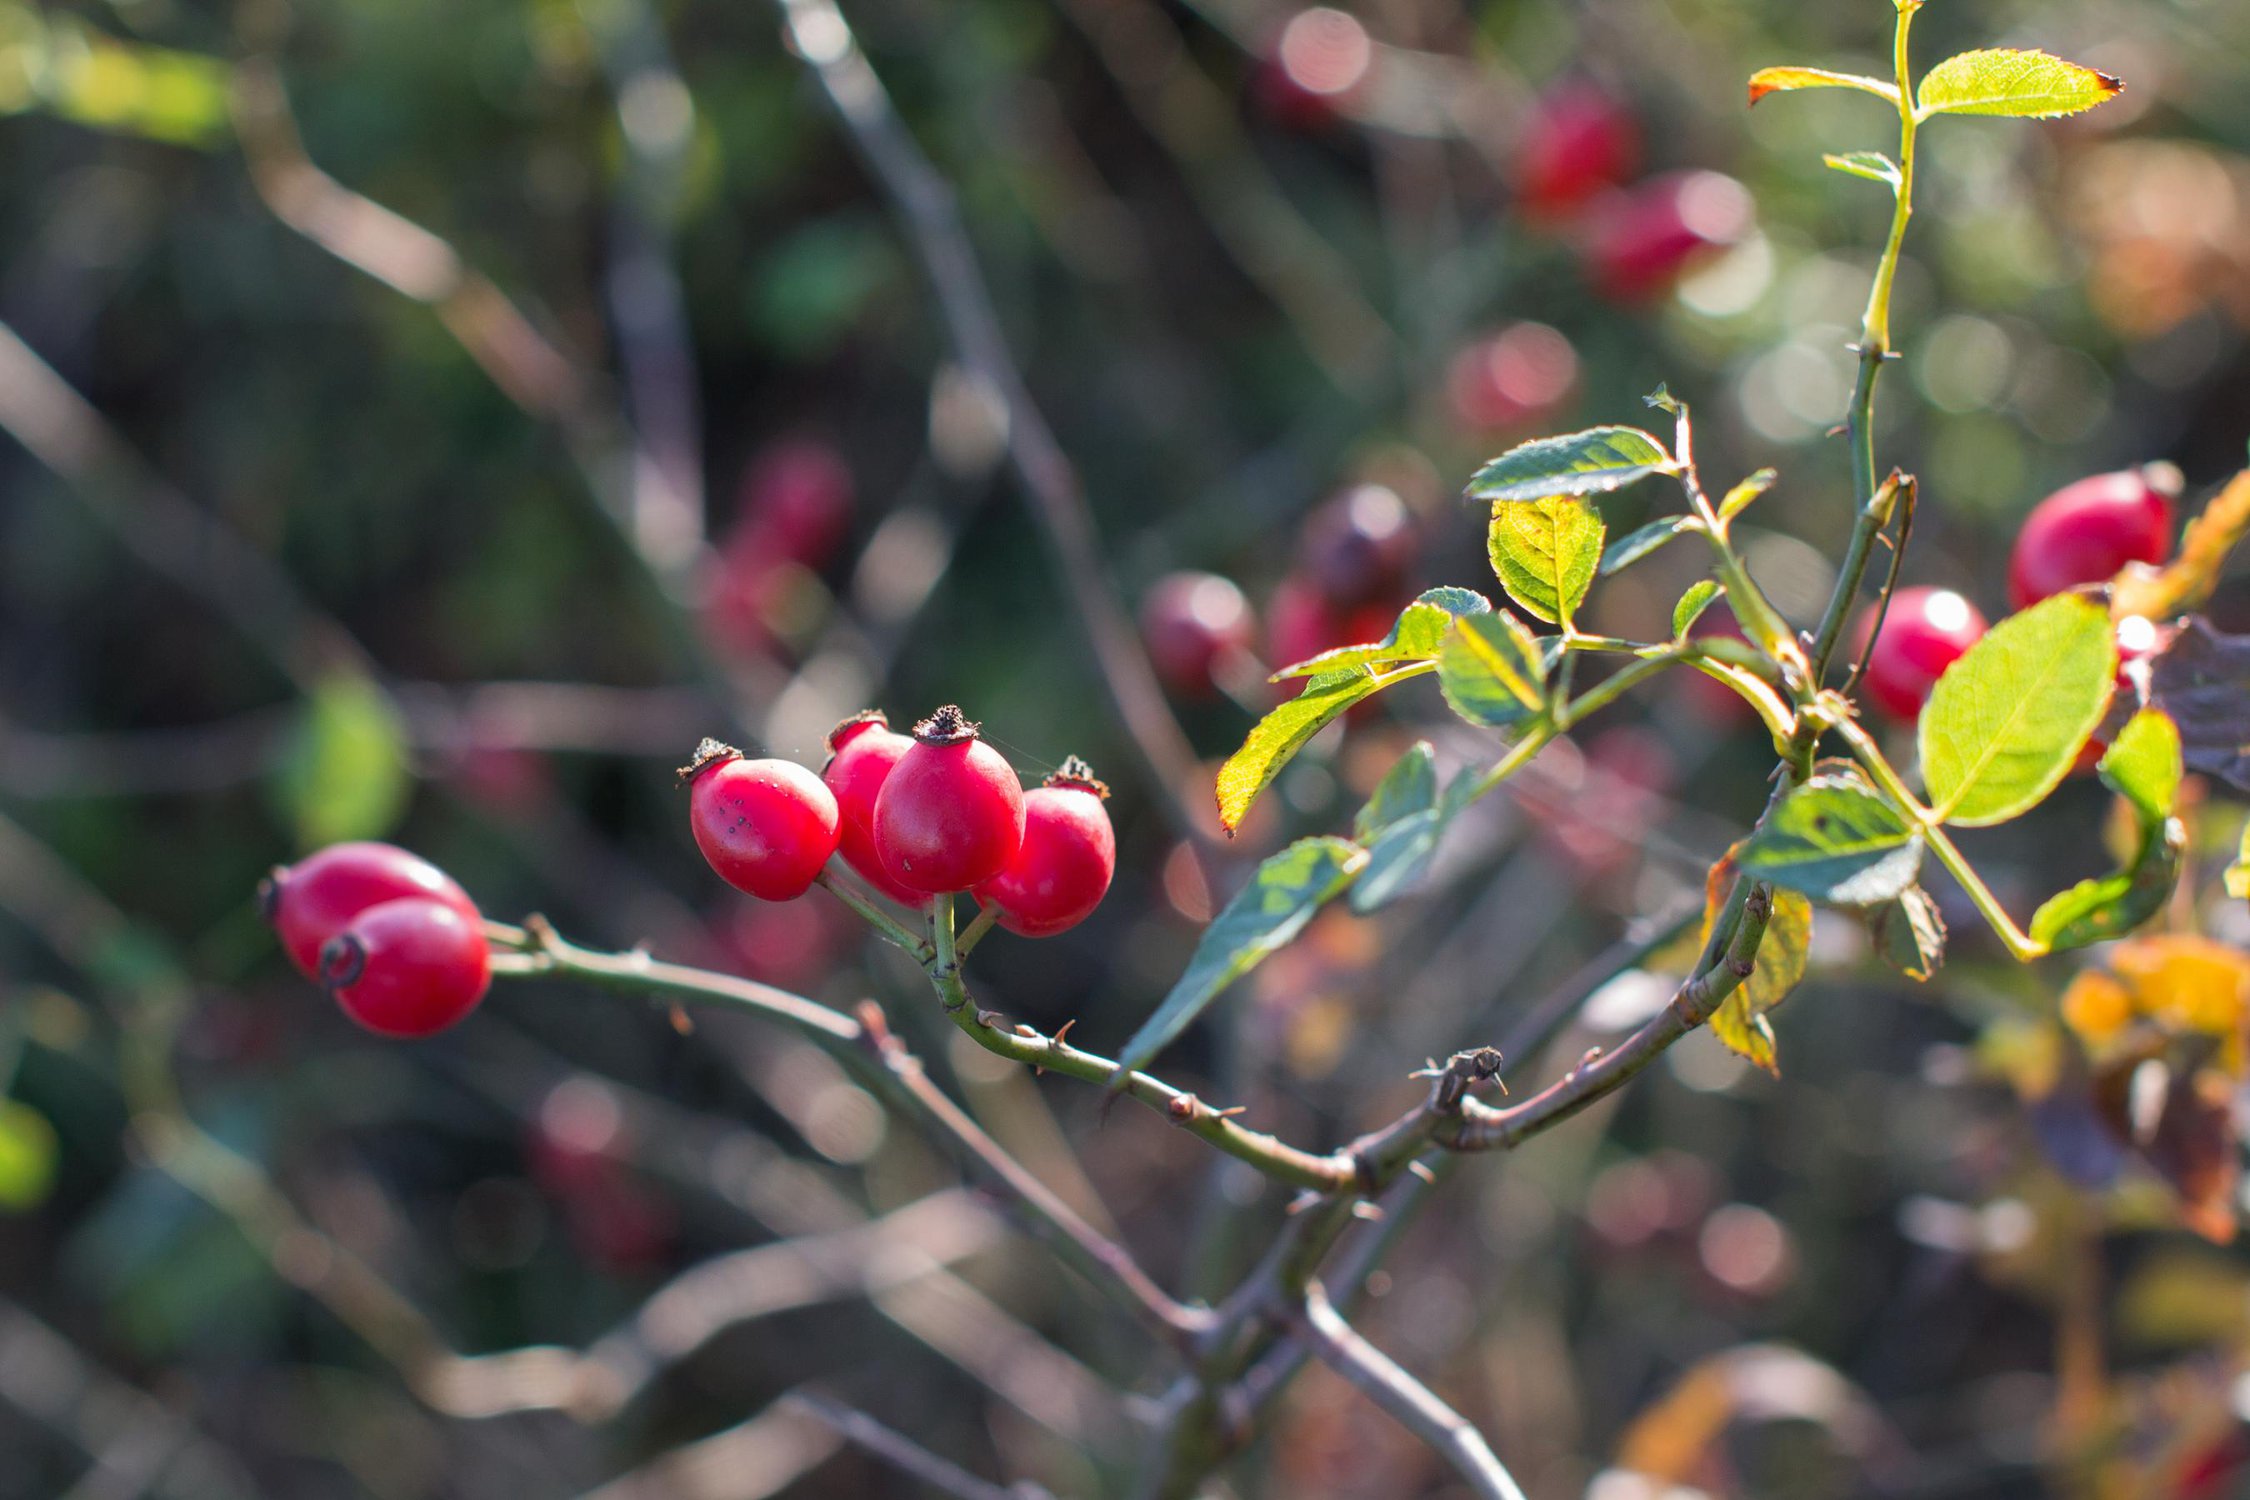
1352,574
796,501
390,935
935,814
2084,533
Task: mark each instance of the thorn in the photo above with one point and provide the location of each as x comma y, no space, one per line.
1301,1202
1231,1111
990,1019
1422,1170
1372,1212
681,1021
1024,1028
1064,1030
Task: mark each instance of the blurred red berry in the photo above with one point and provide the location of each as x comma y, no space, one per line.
1192,622
1359,546
1926,631
767,827
950,814
1644,238
791,944
796,504
1578,143
408,968
1317,63
862,751
2085,532
511,780
312,900
1301,622
1512,378
1068,856
1599,825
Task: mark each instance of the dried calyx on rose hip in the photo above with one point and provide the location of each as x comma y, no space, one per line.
408,968
862,751
1068,856
312,900
950,814
767,827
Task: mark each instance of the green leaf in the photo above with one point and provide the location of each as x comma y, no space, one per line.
345,773
1399,827
1409,787
1417,636
28,1152
1838,841
1909,933
1738,499
2006,720
1632,547
1585,463
1545,552
1740,1021
2007,81
1699,597
2143,765
1492,670
2094,911
1282,733
1264,916
85,76
1788,79
1872,165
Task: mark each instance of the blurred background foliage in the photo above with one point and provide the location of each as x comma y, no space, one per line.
466,552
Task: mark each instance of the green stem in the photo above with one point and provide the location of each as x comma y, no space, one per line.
971,935
891,929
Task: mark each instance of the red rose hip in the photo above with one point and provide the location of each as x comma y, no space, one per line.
1645,238
766,826
1926,631
1068,855
1579,142
312,900
408,968
1191,623
2085,532
862,751
950,814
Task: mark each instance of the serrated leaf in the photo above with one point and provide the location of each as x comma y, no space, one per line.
1909,933
1282,733
1788,79
1836,840
1584,463
1738,499
1417,635
2201,679
1740,1021
1635,545
1409,787
1545,553
2011,81
345,773
1699,597
1400,828
2006,720
2143,766
1264,916
2095,911
1493,671
1871,165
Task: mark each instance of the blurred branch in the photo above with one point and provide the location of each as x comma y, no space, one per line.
1272,244
168,532
1414,1405
925,204
442,719
530,369
139,1445
905,1455
749,1461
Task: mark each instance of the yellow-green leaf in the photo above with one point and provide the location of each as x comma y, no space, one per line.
346,773
1492,670
2006,720
1546,552
28,1151
1784,80
1740,1021
2011,81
